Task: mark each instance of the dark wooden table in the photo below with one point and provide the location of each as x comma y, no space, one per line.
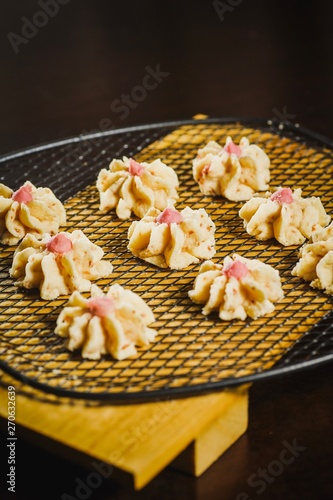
72,67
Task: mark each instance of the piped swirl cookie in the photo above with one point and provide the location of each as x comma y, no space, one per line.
316,260
132,187
233,171
58,265
29,210
239,288
173,239
284,215
114,323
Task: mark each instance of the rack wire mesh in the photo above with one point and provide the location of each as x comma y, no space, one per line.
192,353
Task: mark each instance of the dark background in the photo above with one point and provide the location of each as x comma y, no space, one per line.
258,58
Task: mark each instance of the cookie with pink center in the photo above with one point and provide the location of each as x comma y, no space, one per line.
114,323
237,288
235,171
132,187
59,264
172,238
29,210
284,215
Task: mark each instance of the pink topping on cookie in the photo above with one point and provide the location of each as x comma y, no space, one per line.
100,306
283,195
169,216
135,168
23,195
236,270
60,243
205,170
232,148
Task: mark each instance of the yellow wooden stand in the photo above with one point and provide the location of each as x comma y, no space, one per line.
138,440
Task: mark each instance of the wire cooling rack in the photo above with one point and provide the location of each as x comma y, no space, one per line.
192,353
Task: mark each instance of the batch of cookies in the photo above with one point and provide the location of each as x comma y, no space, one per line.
117,322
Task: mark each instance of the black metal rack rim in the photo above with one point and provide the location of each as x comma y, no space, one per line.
274,123
171,392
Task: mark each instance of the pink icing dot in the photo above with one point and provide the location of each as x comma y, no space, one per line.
60,243
101,306
23,195
169,216
236,270
283,195
205,170
135,168
232,148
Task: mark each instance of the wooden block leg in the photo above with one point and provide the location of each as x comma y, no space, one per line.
216,438
139,440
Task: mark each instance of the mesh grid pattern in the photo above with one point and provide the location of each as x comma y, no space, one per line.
192,353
